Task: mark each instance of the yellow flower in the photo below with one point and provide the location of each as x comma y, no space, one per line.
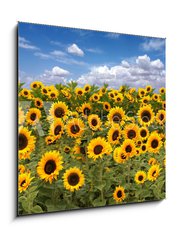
38,103
131,131
129,148
152,161
154,142
140,177
161,117
33,116
162,90
57,128
146,115
21,116
116,115
119,194
119,155
58,110
106,106
79,92
86,109
114,134
75,128
153,172
143,133
24,181
87,88
94,122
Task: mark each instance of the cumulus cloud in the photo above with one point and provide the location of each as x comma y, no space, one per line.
153,45
75,50
136,74
24,43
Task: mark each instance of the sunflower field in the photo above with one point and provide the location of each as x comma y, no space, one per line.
83,147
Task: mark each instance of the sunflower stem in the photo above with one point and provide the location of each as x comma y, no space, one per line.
101,178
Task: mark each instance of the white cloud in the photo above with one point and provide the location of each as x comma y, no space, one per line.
42,55
75,50
113,35
57,71
153,45
24,43
135,74
94,50
58,53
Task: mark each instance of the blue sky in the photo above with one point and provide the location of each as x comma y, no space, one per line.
57,54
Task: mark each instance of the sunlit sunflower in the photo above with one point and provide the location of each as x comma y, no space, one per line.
58,110
141,92
57,128
119,155
98,147
87,88
161,117
106,106
116,115
119,194
114,134
132,90
79,150
162,90
119,98
146,115
21,168
33,116
53,94
75,127
38,103
49,140
21,116
164,105
154,142
103,90
152,161
67,149
79,92
73,179
149,88
111,95
66,93
24,181
145,100
153,172
73,114
129,148
94,122
131,131
44,90
49,166
35,85
138,151
25,93
156,97
86,109
140,177
143,133
26,143
95,97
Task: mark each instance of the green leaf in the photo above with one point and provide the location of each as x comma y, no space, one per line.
37,209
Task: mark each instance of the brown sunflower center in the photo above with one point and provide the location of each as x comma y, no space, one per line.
123,156
35,85
115,135
50,167
131,134
143,133
22,183
57,130
44,90
73,179
95,97
161,117
33,116
80,92
23,141
140,178
142,92
119,194
94,122
128,149
117,117
38,103
53,95
146,116
143,148
148,89
154,173
82,150
87,88
25,93
74,129
106,106
98,149
86,111
59,112
154,143
112,95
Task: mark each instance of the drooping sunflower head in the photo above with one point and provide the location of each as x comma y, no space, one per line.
146,115
38,102
154,142
75,127
152,161
116,115
162,90
131,131
33,116
161,117
86,109
98,147
58,110
21,168
143,133
94,122
106,106
73,179
129,148
24,181
114,134
49,166
79,92
87,88
153,172
140,177
57,128
119,194
26,143
49,140
119,155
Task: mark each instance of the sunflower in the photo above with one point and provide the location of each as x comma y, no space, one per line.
114,134
21,116
145,100
97,147
75,127
86,109
154,142
95,97
164,105
57,128
111,95
21,168
73,114
26,143
67,149
152,161
24,181
94,122
119,155
34,85
131,131
87,88
25,93
44,90
38,103
49,140
141,92
140,177
58,110
73,179
132,90
153,172
129,148
53,94
119,97
156,97
119,194
146,115
116,115
161,117
149,88
33,116
103,90
66,94
49,166
143,148
162,90
106,106
79,92
79,149
143,133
